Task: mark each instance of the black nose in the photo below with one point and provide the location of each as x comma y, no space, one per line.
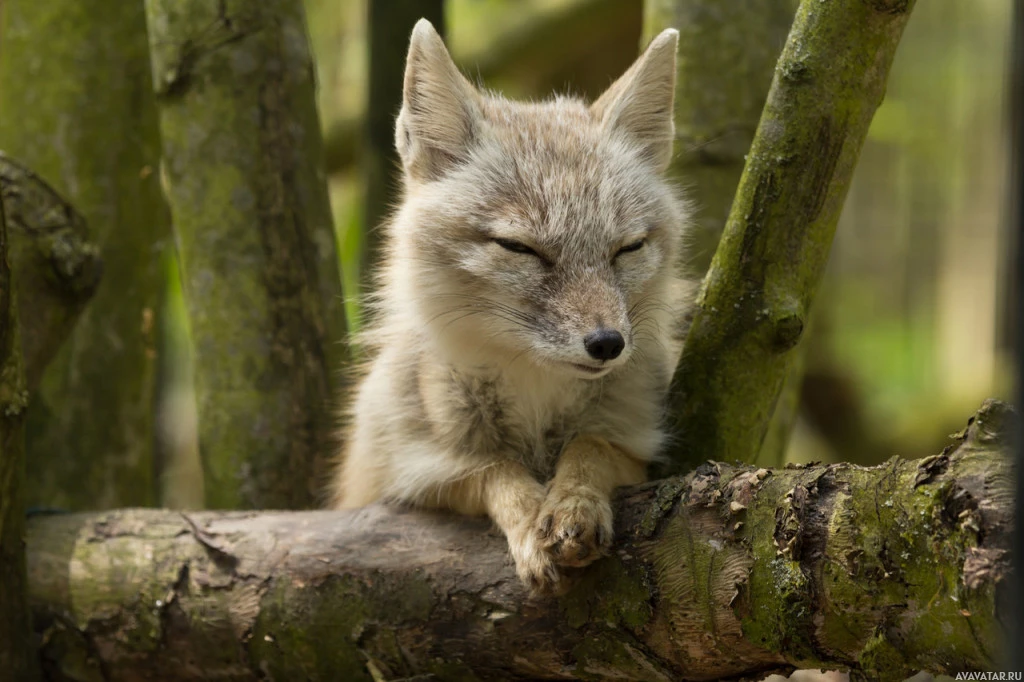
604,344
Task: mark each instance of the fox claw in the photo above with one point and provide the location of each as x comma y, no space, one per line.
575,527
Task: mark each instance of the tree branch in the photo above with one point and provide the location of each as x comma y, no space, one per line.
58,268
729,571
757,296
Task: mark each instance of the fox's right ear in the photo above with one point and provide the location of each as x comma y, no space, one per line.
440,108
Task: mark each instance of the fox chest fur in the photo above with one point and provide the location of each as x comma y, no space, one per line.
485,413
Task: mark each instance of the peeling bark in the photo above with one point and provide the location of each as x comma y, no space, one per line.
242,172
728,571
56,266
17,659
754,304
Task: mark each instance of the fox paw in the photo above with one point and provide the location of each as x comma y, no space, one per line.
534,566
574,526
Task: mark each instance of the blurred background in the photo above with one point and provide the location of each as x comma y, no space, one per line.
910,331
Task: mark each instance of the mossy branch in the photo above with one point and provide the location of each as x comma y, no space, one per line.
242,172
729,571
757,296
17,649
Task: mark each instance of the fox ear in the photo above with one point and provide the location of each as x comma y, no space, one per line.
639,104
440,108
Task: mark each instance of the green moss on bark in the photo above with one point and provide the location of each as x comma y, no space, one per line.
55,264
727,54
78,110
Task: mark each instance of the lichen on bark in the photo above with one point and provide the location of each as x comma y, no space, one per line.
242,172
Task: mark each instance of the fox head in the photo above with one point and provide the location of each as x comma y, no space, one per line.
536,230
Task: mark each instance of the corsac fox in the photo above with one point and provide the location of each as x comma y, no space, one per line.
528,314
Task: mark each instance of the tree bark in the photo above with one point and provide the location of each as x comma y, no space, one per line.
242,172
730,571
77,110
56,266
755,300
17,650
727,53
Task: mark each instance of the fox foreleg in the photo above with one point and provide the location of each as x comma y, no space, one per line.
567,523
574,524
507,493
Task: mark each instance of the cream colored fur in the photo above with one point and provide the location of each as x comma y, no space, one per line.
474,399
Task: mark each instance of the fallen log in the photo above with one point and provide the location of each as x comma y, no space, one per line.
728,571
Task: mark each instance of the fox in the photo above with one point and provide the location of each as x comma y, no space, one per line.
528,309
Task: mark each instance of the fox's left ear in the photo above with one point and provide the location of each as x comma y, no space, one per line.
640,103
440,108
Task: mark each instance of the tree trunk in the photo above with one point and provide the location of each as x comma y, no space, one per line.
729,571
727,53
389,24
242,172
755,300
56,266
17,650
78,110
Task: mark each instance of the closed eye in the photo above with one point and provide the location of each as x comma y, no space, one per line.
517,247
635,246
